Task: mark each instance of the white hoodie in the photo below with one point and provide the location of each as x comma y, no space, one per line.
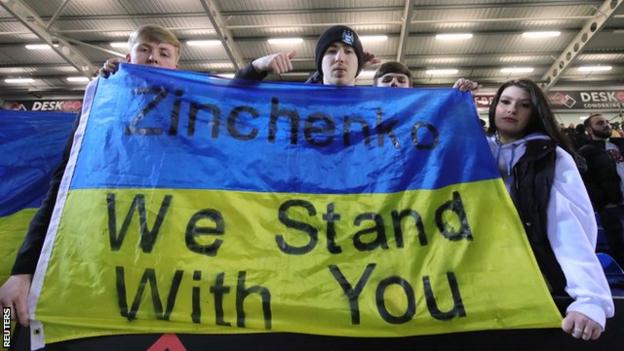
571,228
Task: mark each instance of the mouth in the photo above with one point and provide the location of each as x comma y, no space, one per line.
509,119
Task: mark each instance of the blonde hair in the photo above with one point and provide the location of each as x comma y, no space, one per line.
151,32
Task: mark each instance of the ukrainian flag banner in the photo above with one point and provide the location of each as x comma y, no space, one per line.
196,204
31,146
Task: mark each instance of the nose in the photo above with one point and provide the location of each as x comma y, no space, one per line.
394,83
512,108
152,58
339,55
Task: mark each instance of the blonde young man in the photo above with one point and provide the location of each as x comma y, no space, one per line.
149,45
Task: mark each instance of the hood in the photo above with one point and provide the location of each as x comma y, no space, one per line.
507,155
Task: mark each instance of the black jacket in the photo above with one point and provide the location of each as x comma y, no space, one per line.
533,178
601,178
249,73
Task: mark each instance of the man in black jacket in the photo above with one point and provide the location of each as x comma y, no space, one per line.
148,45
603,179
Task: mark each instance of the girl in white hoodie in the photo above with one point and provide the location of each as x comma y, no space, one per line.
545,185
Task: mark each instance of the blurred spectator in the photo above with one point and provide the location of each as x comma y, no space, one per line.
603,180
579,137
617,131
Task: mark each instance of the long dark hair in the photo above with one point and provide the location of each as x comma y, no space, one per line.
542,118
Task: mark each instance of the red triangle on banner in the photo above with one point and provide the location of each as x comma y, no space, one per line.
167,342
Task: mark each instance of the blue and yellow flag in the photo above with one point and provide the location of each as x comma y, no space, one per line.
31,146
196,204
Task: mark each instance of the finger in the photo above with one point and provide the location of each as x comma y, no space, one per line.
577,331
291,54
22,311
280,67
274,67
289,65
587,331
596,333
567,324
282,63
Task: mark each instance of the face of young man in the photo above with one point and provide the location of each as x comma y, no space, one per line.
599,127
393,80
339,64
152,53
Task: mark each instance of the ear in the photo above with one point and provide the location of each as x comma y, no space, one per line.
128,58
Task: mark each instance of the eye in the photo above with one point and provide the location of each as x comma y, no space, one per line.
165,53
504,101
348,51
386,79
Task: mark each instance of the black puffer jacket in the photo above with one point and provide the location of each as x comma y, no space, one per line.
530,192
601,178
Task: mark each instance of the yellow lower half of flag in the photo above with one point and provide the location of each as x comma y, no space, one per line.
12,231
370,265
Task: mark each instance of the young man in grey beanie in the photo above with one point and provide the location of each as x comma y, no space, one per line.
339,58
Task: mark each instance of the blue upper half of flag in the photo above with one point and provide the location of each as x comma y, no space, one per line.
159,128
31,146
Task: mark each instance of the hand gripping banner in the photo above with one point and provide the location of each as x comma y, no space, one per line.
31,146
195,204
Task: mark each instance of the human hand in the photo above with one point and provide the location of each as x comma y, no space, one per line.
14,293
580,326
109,67
370,59
466,85
277,63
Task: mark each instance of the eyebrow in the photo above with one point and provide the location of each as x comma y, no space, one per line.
509,97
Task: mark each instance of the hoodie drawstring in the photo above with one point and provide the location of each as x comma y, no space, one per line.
513,155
